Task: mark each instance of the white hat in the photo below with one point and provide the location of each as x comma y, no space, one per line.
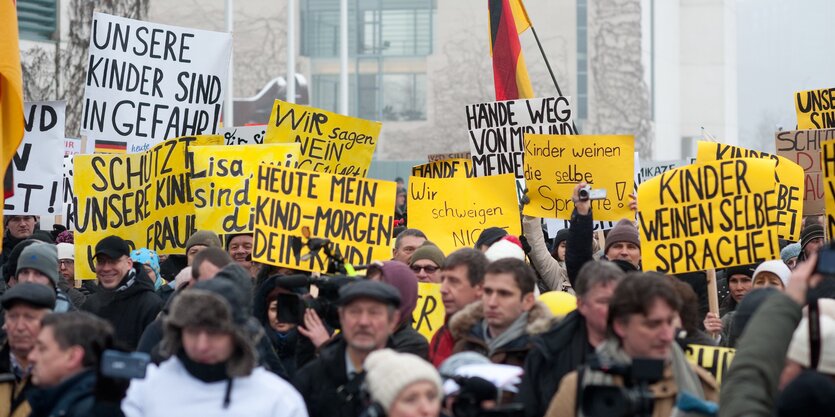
799,347
505,248
776,267
66,251
388,373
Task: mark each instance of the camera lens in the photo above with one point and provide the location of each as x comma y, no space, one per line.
583,194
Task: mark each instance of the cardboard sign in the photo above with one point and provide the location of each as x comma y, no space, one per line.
497,130
330,142
223,183
446,168
428,315
803,147
454,155
355,214
555,164
815,108
143,198
72,146
713,215
828,166
652,169
789,177
243,135
37,163
148,82
452,212
713,359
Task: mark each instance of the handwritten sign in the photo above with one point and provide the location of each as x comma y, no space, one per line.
37,162
454,211
713,359
223,185
428,315
555,164
803,147
72,146
148,82
815,109
355,214
243,135
446,168
67,208
453,155
789,187
712,215
828,166
330,142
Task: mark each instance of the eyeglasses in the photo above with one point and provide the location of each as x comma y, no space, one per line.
428,268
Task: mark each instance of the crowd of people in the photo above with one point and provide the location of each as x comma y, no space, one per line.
209,332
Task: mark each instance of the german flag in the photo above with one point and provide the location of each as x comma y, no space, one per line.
508,19
110,146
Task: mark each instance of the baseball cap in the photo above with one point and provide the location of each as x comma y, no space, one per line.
113,247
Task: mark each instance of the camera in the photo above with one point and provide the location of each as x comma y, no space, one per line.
124,365
634,399
587,193
291,305
826,260
473,392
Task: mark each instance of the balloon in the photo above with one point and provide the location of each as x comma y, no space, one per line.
559,302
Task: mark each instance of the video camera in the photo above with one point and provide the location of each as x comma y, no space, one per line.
635,399
291,305
471,395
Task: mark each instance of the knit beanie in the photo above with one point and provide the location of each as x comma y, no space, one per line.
65,237
428,251
790,251
489,236
206,238
624,231
506,247
810,233
41,257
799,346
777,268
66,251
148,257
388,373
398,275
747,270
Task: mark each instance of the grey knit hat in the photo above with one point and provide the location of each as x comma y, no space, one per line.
206,238
41,257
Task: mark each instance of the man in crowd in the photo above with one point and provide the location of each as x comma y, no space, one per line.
461,284
572,342
18,229
488,237
331,384
127,299
64,363
239,247
38,263
426,262
406,243
501,325
25,305
198,241
207,263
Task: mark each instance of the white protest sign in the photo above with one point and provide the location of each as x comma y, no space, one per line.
37,163
148,82
243,135
72,146
68,209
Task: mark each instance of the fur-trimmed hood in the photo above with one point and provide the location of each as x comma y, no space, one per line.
461,323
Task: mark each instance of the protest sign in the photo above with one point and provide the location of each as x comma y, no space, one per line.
355,215
222,183
428,315
445,168
815,108
789,187
72,146
68,209
243,135
452,212
453,155
148,82
38,161
713,359
652,169
144,198
330,142
555,164
828,167
803,147
497,130
709,216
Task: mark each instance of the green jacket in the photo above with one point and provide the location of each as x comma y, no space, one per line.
750,386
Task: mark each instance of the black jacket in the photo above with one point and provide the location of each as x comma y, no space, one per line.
578,246
71,398
324,384
554,354
407,340
129,308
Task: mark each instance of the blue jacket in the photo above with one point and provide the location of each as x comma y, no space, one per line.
73,397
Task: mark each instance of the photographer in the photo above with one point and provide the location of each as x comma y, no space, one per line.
640,324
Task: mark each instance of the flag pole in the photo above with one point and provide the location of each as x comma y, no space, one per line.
550,71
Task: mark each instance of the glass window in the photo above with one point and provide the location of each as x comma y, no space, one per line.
37,19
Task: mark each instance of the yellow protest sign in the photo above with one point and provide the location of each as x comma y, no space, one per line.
828,168
428,315
555,164
446,168
452,212
330,142
788,175
713,359
223,184
143,197
815,108
713,215
354,215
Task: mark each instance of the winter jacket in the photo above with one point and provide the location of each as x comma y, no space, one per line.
73,397
170,390
440,348
466,329
749,386
76,297
9,242
552,272
325,386
578,246
129,308
554,354
13,391
407,340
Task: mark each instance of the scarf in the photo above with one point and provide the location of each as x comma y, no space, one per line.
516,329
202,371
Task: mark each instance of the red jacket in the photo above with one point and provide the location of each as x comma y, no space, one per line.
441,346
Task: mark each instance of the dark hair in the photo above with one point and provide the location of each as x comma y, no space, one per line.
215,256
473,259
231,236
689,311
406,233
596,273
80,328
522,273
637,293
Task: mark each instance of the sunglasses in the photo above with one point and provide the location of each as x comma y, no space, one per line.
428,268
